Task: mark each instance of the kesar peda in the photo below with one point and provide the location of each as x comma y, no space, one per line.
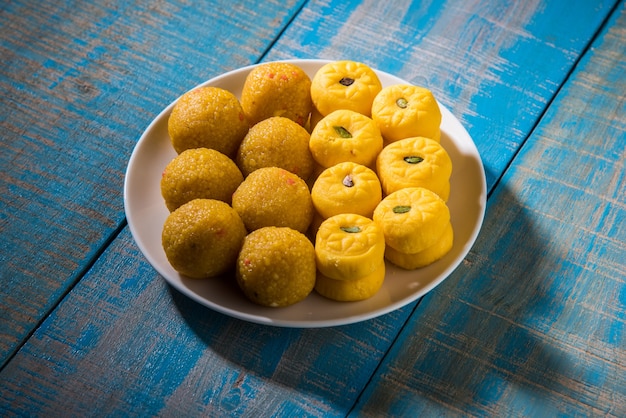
345,135
412,219
415,162
345,84
351,290
425,257
348,246
404,111
346,188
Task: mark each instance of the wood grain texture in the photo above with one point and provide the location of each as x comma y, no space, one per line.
138,347
122,343
80,82
533,322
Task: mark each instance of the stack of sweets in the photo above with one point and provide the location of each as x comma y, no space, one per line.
349,251
416,226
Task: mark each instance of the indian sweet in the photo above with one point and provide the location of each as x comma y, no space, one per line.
345,84
202,238
272,196
199,173
425,257
277,89
351,290
207,117
405,110
276,267
415,162
412,219
276,142
349,246
345,135
347,187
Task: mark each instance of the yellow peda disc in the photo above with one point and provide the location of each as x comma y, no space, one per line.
345,135
424,257
199,173
351,290
276,267
415,162
345,85
346,188
412,219
272,196
403,111
276,142
348,246
202,238
277,89
207,117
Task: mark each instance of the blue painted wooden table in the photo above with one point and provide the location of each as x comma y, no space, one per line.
531,323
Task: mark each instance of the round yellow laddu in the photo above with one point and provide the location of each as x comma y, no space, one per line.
346,188
272,196
202,238
276,142
351,290
345,135
345,85
404,110
412,219
276,267
415,162
207,117
199,173
424,257
277,89
348,246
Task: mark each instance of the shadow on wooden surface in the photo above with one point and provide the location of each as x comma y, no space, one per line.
311,361
475,341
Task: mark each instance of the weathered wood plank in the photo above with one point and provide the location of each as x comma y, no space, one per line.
138,347
80,82
533,323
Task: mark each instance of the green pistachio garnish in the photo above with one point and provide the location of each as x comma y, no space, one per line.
342,132
350,229
401,209
413,159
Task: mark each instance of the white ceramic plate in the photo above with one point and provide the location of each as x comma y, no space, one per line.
146,213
